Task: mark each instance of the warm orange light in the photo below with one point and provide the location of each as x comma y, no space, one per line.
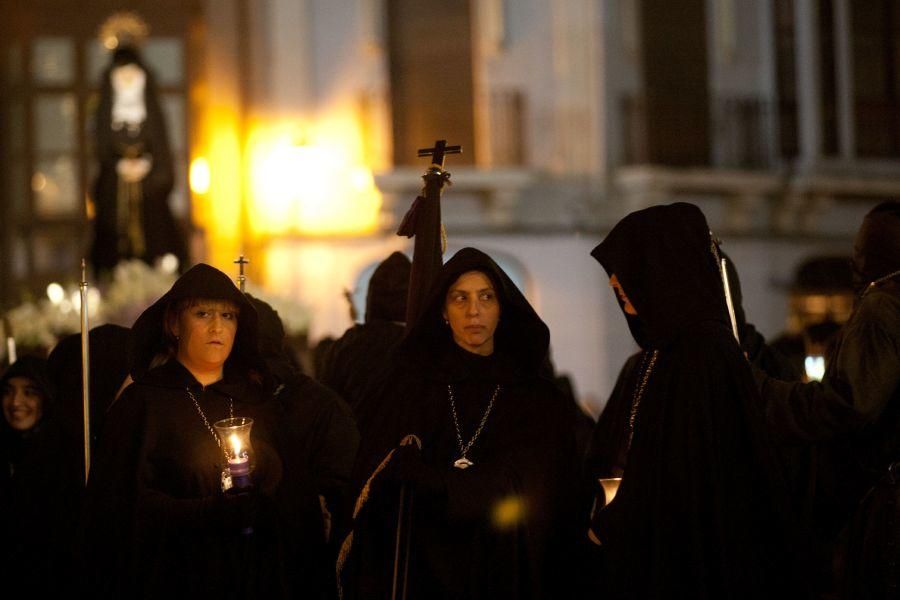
199,175
315,188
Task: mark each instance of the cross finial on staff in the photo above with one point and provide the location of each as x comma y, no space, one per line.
242,279
438,151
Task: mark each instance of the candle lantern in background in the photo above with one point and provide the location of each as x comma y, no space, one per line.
610,487
235,436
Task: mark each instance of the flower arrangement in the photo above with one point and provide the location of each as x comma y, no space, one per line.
39,324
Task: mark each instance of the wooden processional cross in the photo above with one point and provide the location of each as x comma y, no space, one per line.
423,222
242,279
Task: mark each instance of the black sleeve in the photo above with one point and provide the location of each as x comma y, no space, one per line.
107,523
798,412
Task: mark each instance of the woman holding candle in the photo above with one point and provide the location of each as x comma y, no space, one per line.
166,513
493,513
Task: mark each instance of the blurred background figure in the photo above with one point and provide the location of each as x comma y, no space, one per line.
136,175
40,484
356,363
109,365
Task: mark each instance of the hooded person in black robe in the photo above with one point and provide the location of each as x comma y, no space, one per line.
320,435
41,482
699,512
157,522
108,372
856,410
605,455
354,364
131,194
500,528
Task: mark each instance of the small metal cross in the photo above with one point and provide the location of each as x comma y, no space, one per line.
241,261
437,153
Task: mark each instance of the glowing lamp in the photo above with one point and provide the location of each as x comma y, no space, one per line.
56,293
199,176
815,367
235,436
610,486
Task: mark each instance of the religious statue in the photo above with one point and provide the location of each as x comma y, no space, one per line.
133,218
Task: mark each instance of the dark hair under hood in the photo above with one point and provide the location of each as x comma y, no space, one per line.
662,257
201,282
520,334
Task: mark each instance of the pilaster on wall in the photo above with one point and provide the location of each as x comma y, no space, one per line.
809,85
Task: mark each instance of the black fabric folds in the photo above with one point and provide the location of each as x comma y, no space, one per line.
157,523
876,251
40,493
388,288
700,511
161,231
108,369
357,363
505,527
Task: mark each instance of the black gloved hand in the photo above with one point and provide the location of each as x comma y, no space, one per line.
234,511
408,466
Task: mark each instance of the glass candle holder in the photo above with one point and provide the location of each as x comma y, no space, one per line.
235,437
610,486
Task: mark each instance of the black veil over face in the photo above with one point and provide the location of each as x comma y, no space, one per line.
521,333
202,281
663,259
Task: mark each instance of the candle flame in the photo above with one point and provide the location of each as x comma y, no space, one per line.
235,443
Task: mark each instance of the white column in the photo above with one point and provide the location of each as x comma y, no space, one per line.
291,76
843,52
809,93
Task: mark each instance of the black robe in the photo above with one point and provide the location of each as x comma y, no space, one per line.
700,512
503,528
161,232
157,523
41,483
356,364
854,413
606,451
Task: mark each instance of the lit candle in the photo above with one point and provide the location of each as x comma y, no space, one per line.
610,488
11,349
238,464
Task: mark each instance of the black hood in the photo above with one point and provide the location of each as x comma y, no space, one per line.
521,334
201,281
35,369
276,355
388,288
876,251
663,259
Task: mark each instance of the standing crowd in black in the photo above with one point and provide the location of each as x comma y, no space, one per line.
441,459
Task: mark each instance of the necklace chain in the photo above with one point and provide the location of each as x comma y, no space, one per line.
203,416
647,364
879,281
464,448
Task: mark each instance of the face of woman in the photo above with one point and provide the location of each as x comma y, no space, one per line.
472,310
627,306
23,403
205,334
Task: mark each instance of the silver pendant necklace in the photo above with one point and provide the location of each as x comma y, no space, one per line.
226,473
648,361
463,461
